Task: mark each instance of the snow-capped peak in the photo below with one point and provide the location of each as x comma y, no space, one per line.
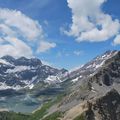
91,67
53,79
20,73
2,61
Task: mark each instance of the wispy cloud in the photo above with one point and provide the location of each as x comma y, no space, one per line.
15,47
45,46
78,52
69,53
37,4
18,23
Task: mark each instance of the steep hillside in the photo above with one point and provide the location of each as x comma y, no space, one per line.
107,107
90,83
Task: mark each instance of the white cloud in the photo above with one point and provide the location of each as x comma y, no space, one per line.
6,30
15,48
78,53
90,23
45,46
19,33
26,27
117,40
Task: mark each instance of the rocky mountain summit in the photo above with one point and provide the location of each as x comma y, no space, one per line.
24,73
92,66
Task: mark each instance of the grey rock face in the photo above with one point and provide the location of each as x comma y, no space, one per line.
104,108
94,81
95,78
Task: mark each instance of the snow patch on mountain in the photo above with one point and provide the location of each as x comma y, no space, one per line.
18,69
75,80
91,67
52,79
30,83
4,62
4,86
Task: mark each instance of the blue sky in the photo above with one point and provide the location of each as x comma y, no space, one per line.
60,32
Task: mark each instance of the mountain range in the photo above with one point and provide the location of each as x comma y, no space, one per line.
25,73
91,92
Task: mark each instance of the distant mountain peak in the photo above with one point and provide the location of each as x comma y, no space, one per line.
8,58
22,58
92,66
106,55
24,72
111,51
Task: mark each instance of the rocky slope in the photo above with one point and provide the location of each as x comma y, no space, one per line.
107,107
95,85
97,76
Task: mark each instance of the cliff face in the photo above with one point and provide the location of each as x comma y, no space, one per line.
107,107
104,108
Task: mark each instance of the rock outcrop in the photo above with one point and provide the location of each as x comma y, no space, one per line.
106,107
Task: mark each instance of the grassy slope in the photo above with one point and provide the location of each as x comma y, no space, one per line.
43,111
80,117
54,116
13,116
